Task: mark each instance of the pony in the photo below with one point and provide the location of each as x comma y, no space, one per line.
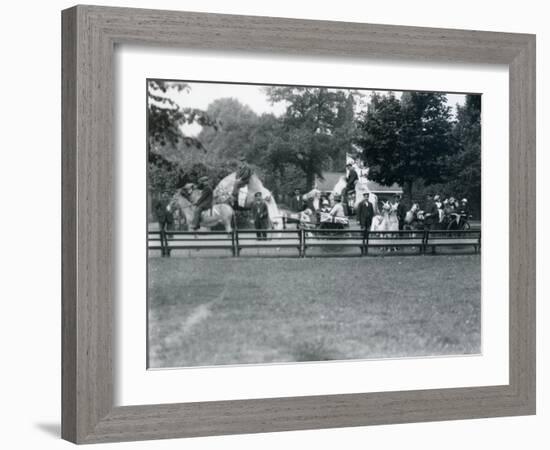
183,201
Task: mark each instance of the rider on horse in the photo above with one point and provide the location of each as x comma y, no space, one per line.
204,202
242,177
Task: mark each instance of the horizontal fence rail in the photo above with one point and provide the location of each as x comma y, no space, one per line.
302,239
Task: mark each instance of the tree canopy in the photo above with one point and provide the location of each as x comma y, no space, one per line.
413,139
317,127
407,139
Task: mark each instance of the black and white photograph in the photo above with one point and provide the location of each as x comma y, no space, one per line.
293,224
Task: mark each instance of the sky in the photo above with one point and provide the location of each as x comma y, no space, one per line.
202,94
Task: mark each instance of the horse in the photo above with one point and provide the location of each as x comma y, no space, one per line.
220,214
223,194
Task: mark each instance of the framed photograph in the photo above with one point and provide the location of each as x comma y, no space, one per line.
277,224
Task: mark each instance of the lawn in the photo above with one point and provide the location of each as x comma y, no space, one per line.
211,311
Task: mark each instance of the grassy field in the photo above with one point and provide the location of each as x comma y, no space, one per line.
206,311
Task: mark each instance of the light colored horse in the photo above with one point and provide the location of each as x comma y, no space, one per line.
221,214
223,193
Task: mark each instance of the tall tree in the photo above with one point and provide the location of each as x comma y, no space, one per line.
465,163
310,122
407,139
166,141
236,124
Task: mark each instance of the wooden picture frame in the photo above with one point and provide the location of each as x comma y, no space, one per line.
90,34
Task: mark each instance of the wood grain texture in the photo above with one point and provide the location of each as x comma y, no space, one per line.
89,36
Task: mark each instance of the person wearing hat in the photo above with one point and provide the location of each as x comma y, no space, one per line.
261,216
242,177
464,208
338,209
400,210
431,212
204,202
325,205
165,219
351,179
297,203
365,213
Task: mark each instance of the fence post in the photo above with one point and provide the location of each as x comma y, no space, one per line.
366,242
302,243
233,240
236,244
284,222
425,240
163,243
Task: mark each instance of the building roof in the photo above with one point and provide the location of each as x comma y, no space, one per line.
331,178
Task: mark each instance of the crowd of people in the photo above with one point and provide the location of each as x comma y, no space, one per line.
328,210
434,213
438,213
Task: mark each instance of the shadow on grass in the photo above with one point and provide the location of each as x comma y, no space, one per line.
314,350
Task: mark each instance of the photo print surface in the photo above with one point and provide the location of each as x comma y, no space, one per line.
291,224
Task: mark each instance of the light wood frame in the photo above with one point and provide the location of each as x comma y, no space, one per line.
89,37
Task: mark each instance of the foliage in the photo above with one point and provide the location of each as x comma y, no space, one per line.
412,140
315,127
165,117
166,140
465,164
407,139
236,126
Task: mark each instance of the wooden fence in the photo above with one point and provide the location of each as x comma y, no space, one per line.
239,240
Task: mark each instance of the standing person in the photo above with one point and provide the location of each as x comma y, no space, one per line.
261,216
464,208
365,213
164,218
297,203
439,206
431,213
351,181
464,211
401,211
204,202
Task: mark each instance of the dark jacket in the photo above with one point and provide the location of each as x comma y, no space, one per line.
351,180
160,209
401,211
206,199
365,213
431,209
297,204
261,215
243,174
464,210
